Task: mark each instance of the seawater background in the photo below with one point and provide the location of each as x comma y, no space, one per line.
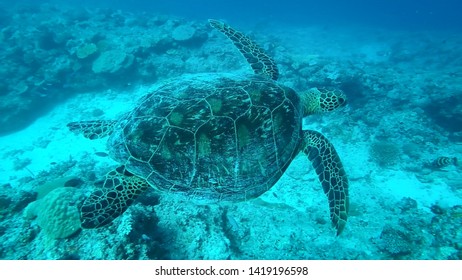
403,14
399,63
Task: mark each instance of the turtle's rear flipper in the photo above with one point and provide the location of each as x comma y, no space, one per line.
329,168
119,190
93,129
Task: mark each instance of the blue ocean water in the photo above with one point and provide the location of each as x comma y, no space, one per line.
405,14
399,137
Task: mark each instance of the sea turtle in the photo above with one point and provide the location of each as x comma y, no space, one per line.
215,137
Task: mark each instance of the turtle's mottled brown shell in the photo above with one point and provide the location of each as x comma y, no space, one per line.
213,136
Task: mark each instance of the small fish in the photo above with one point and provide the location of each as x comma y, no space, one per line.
101,154
441,162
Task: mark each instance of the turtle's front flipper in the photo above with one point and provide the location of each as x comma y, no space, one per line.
261,63
119,190
329,168
93,129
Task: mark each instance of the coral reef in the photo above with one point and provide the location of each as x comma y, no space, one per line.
111,62
397,243
86,50
57,213
384,153
54,58
183,33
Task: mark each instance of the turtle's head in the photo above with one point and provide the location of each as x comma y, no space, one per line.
322,100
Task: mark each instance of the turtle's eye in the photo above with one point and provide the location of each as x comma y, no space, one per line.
341,101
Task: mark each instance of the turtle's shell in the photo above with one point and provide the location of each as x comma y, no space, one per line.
213,136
